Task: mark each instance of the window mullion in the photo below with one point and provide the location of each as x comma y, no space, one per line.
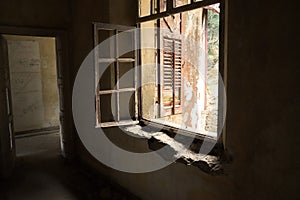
170,5
174,71
158,6
97,77
117,76
151,7
159,69
135,41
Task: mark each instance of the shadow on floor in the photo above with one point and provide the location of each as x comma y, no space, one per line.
42,174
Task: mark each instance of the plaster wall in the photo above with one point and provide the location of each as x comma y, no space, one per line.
33,81
262,112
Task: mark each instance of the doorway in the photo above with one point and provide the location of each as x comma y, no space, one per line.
34,87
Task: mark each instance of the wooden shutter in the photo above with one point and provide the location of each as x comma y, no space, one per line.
171,75
177,65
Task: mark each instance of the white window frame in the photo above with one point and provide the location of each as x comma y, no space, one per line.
111,60
155,14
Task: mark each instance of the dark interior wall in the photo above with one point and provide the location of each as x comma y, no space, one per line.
263,98
86,12
262,114
35,13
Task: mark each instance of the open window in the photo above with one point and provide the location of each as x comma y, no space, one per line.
179,74
183,64
172,83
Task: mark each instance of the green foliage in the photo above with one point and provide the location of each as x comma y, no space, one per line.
213,38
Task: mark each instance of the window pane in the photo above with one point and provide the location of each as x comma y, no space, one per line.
108,107
125,43
154,6
163,5
127,105
145,6
179,3
126,73
107,47
108,79
212,68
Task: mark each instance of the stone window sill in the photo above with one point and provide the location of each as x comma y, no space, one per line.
211,164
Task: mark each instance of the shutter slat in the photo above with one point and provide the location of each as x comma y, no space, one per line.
172,49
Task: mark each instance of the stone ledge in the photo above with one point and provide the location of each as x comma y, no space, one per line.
210,164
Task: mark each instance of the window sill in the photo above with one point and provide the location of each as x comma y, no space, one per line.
212,163
172,127
114,124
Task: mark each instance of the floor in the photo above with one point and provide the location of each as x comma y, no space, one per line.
42,174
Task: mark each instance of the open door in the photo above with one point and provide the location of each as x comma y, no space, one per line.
7,142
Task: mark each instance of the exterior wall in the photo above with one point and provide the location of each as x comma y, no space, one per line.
194,69
149,84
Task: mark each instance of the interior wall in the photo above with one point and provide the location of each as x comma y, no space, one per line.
46,18
33,76
261,121
263,102
35,13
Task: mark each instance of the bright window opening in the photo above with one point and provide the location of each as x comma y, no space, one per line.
180,74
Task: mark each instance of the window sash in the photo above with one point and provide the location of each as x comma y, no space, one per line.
116,60
171,9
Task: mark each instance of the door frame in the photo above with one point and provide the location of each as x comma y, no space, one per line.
7,142
63,79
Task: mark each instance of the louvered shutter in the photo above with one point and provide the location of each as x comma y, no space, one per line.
171,75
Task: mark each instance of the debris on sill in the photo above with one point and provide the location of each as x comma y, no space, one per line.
210,164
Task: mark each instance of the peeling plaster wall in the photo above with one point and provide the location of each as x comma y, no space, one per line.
194,68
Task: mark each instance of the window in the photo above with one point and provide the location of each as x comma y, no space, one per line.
184,89
179,74
114,94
